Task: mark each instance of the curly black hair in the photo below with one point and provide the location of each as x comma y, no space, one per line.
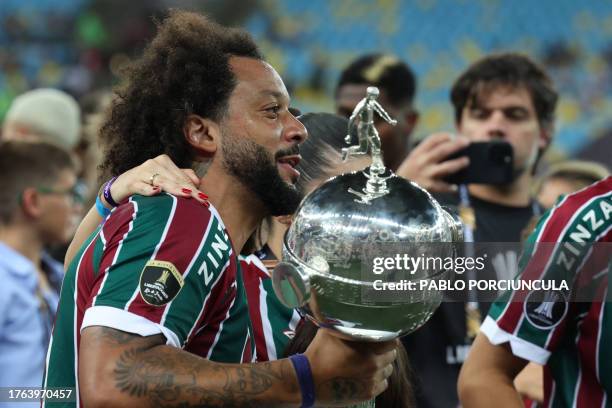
184,70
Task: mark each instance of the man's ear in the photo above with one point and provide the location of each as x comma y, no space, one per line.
411,118
30,203
546,135
203,135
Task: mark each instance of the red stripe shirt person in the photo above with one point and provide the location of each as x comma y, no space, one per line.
572,338
273,323
158,265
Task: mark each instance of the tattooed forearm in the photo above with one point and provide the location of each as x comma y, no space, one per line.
169,377
343,388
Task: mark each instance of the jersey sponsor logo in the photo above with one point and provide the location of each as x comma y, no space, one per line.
160,282
218,253
584,232
545,310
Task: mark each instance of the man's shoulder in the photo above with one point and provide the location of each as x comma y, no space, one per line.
602,190
162,207
588,209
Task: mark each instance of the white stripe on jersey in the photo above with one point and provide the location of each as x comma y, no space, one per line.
76,329
597,346
159,244
265,323
212,287
191,263
119,247
227,315
558,242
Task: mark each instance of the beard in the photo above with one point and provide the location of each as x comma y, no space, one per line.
256,169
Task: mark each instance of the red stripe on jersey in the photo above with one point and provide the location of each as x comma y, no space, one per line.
548,386
552,232
113,231
590,392
83,294
88,282
596,261
252,281
180,245
201,342
214,311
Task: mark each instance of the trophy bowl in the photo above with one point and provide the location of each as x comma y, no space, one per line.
326,269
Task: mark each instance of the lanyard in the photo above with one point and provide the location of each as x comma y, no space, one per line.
468,217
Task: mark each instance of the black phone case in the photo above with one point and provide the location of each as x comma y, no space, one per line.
490,163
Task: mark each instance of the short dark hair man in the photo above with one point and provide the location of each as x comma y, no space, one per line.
500,97
426,163
156,293
37,196
397,85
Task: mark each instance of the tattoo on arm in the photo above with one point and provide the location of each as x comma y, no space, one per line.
343,388
169,377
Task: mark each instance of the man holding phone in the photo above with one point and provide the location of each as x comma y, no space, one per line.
500,98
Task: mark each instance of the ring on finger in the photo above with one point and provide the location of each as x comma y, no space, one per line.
152,179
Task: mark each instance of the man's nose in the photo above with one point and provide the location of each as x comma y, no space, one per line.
496,125
294,131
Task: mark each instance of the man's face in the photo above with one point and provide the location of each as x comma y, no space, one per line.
60,210
394,139
507,114
260,137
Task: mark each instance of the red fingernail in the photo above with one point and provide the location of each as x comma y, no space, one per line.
203,196
186,191
156,188
206,204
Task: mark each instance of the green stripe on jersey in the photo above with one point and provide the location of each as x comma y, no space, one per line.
60,370
152,215
605,342
183,312
565,367
279,316
498,307
235,329
557,269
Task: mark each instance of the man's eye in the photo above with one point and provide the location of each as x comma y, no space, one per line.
478,113
273,110
516,114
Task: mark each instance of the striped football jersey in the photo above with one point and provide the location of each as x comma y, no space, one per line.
573,339
273,323
158,265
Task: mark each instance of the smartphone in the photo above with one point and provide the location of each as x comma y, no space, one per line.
490,163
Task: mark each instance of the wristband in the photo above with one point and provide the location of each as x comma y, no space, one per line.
107,193
304,376
102,210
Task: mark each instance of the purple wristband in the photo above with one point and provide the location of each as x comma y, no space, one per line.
304,376
107,193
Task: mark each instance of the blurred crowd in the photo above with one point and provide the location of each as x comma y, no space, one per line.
50,179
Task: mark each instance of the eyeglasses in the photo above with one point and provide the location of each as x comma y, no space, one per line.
73,193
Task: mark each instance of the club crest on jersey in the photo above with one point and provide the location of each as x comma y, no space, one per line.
160,282
545,310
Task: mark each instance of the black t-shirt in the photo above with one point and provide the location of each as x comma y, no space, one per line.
438,349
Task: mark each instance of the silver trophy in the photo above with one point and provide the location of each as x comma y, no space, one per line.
344,223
